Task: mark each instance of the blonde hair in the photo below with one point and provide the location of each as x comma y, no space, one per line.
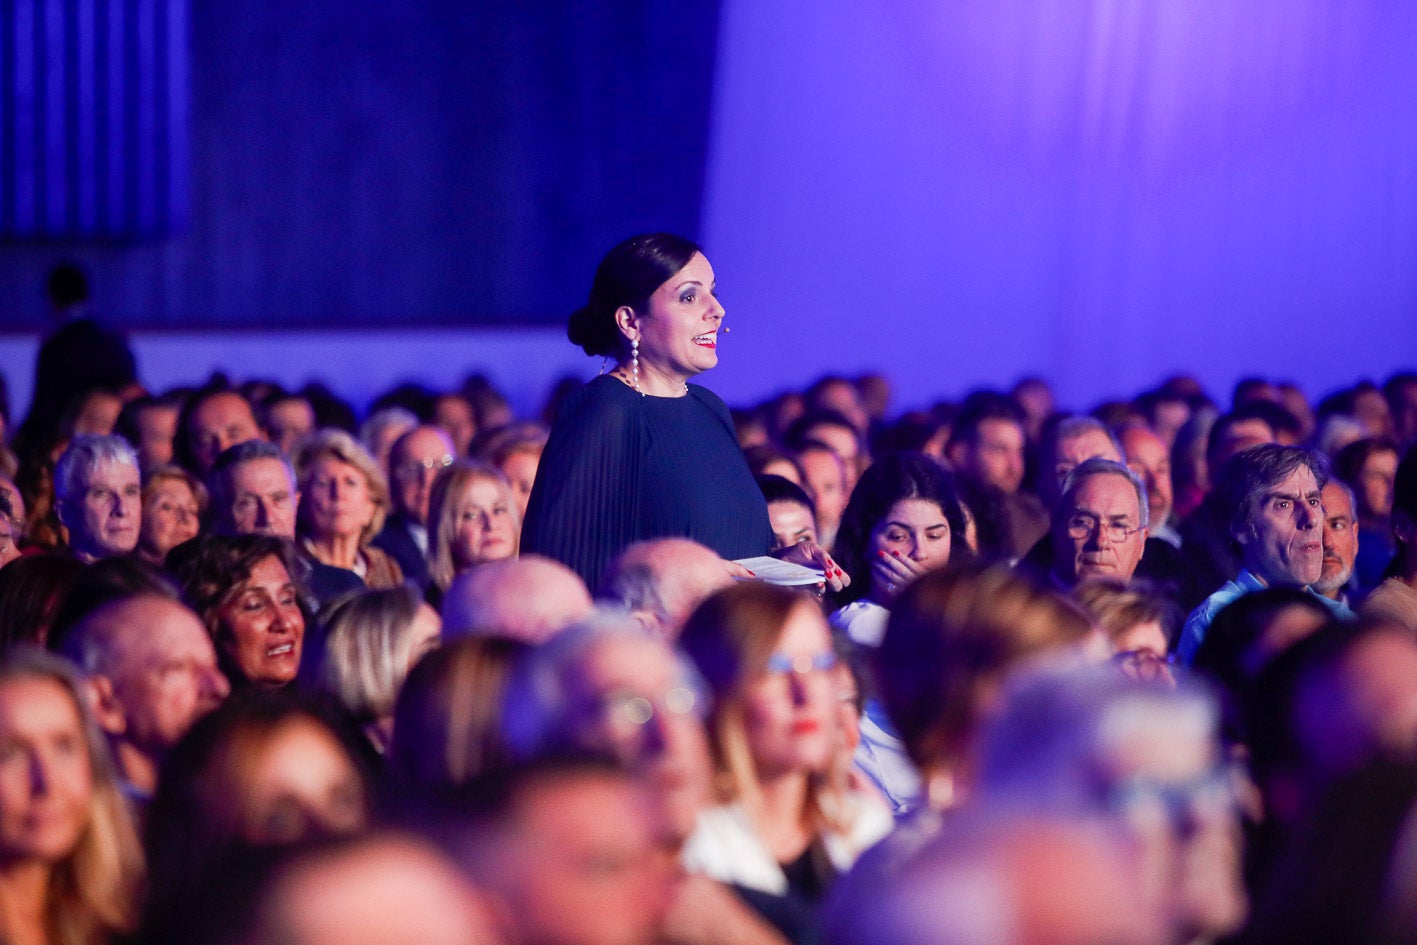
364,650
448,491
447,721
339,445
730,638
93,892
170,473
1117,607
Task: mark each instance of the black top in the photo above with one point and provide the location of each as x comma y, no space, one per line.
396,540
620,468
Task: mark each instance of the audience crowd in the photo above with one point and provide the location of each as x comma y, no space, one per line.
273,672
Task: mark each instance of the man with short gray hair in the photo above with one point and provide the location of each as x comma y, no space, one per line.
98,496
1100,524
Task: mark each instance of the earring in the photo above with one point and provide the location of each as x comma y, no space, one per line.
635,365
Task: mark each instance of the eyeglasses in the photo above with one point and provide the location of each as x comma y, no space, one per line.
1081,526
412,467
629,711
1213,789
781,664
1146,665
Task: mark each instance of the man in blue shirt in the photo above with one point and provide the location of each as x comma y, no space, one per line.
1273,497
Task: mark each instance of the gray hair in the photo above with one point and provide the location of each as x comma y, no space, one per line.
1046,748
1337,430
84,454
537,711
1097,466
381,420
634,587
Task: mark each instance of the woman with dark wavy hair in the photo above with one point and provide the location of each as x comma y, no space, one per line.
247,590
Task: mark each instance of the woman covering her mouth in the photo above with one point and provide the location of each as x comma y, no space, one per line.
639,452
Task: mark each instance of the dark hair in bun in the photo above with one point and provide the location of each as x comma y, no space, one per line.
628,275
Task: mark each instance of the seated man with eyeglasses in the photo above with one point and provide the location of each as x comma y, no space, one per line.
610,686
1099,525
415,461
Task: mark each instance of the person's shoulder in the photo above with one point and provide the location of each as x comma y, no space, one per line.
862,620
1215,600
714,405
1214,603
1394,600
708,398
602,401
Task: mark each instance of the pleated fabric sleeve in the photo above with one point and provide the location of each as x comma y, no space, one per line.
620,468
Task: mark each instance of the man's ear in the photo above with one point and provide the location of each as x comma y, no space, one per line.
650,621
107,710
1403,528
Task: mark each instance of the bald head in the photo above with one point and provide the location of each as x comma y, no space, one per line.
528,598
414,462
385,890
662,581
152,671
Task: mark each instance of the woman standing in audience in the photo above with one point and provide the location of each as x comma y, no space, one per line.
639,452
343,500
246,590
784,825
904,519
473,518
70,865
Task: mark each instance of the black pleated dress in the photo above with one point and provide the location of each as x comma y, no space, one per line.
620,468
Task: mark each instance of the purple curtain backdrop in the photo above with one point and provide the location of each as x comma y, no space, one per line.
1098,190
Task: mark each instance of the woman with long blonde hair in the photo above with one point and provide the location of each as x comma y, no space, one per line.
784,824
70,863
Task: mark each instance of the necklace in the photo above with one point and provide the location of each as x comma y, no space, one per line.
625,377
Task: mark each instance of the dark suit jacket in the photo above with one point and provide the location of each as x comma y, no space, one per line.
396,541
